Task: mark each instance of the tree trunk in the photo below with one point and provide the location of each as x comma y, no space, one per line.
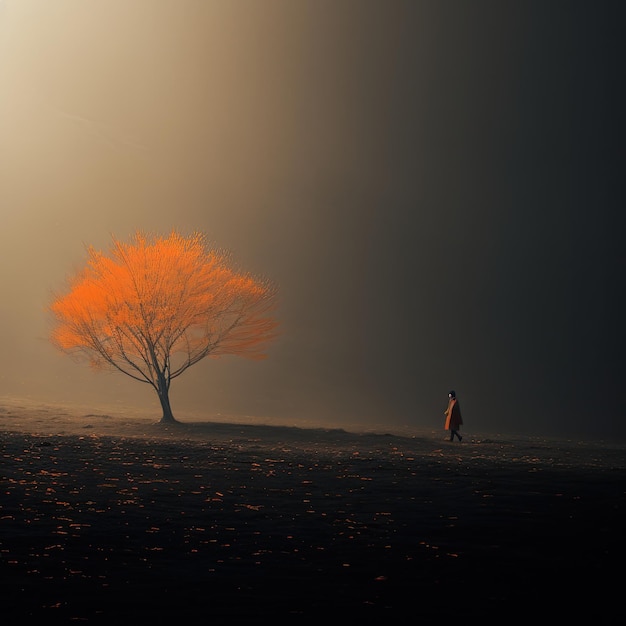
164,398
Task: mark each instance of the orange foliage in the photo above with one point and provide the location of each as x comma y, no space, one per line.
155,306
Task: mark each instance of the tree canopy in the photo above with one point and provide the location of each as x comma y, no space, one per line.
154,307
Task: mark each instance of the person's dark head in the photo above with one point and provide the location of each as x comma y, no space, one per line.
452,395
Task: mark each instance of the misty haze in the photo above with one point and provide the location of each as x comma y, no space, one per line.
431,187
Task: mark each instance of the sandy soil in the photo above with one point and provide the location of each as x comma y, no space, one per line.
109,519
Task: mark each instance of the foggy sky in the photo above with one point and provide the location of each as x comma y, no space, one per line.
432,185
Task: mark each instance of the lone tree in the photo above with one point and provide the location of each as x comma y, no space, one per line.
156,306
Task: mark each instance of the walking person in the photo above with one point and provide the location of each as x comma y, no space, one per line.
453,416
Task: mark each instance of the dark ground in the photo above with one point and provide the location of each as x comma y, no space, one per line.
222,523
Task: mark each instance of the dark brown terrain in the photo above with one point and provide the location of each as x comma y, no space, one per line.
111,521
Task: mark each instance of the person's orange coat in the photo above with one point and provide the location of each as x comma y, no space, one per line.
453,415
